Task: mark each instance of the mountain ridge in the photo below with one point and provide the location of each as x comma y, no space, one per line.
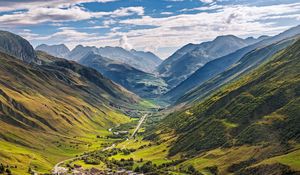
146,61
59,50
214,67
191,57
141,83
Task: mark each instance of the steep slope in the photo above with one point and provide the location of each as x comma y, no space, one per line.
17,46
141,83
55,110
213,68
60,50
251,60
144,61
258,113
188,59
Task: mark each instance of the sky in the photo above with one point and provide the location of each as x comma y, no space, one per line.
159,26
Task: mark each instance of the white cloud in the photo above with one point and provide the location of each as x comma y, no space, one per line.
127,11
123,42
166,32
166,13
109,22
97,27
13,5
52,14
174,0
241,20
115,29
207,1
202,8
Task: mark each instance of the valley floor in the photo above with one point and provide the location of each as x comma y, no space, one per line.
138,155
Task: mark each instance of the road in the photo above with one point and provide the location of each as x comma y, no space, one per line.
61,170
57,170
138,126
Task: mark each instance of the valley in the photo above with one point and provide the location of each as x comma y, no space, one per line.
222,102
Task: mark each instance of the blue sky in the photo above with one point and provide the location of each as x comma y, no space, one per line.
160,26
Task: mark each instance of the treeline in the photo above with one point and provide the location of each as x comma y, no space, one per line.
6,169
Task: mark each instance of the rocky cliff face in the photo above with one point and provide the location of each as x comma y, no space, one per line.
17,46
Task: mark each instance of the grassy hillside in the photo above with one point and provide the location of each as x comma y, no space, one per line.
259,110
54,111
246,64
217,66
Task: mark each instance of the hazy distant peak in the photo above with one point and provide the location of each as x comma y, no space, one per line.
59,50
222,37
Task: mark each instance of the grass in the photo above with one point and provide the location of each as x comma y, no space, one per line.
222,158
228,124
57,149
157,153
40,150
291,159
27,141
148,104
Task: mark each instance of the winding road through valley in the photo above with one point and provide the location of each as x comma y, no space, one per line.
58,169
138,126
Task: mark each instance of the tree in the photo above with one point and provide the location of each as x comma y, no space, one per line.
8,171
29,170
191,169
147,167
137,169
2,169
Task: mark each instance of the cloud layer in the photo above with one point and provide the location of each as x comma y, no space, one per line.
141,27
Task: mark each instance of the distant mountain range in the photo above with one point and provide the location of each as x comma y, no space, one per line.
122,66
191,57
214,67
60,50
145,61
248,62
141,83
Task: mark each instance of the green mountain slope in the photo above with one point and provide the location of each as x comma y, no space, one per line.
219,65
55,110
185,61
247,63
258,113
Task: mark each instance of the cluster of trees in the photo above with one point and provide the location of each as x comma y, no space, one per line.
127,151
153,169
5,169
148,167
123,163
192,170
170,164
96,157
